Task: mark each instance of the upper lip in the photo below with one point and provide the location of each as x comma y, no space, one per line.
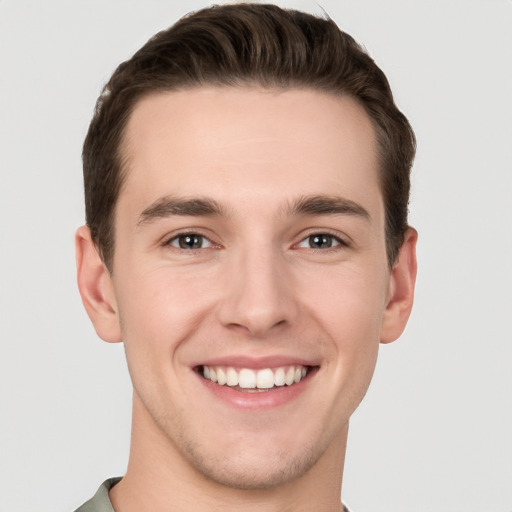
256,363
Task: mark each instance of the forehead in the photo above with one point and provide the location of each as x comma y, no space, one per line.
249,143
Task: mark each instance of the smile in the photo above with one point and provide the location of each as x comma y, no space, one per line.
247,379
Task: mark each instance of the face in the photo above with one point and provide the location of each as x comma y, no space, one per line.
250,280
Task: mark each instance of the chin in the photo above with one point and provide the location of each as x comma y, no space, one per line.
242,471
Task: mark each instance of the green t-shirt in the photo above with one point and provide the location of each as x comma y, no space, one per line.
100,502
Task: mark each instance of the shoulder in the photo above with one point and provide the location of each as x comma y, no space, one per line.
100,502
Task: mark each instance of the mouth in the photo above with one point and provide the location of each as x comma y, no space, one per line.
250,380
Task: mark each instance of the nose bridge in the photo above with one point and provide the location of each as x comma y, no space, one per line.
259,290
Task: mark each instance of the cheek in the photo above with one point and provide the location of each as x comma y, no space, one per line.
157,313
160,305
350,303
351,315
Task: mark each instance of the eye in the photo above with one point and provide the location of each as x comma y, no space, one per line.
189,241
320,241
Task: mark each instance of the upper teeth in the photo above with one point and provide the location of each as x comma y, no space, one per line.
246,378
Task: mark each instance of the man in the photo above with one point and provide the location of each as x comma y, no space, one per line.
246,181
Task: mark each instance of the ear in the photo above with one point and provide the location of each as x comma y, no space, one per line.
96,288
400,290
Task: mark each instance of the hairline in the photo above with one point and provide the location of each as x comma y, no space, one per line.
122,151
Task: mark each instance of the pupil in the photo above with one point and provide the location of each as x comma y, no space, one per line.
191,241
320,241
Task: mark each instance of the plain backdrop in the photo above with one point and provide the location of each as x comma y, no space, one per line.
435,430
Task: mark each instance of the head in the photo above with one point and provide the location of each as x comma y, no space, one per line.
236,46
247,180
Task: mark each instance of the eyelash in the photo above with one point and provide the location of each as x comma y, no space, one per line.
191,234
340,242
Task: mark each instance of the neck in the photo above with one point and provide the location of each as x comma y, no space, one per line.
159,478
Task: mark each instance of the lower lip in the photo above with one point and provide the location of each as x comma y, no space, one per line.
274,397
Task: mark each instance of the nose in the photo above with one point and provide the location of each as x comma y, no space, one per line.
258,296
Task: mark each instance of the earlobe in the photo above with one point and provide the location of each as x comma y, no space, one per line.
401,290
96,288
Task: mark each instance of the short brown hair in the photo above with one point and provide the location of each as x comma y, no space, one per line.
244,45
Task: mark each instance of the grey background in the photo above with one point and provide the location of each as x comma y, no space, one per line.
435,430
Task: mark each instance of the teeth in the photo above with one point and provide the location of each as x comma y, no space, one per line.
279,377
232,377
265,379
288,378
221,376
246,378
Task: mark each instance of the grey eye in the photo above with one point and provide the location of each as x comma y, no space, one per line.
190,241
320,241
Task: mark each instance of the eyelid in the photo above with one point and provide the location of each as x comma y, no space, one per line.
175,241
343,240
169,238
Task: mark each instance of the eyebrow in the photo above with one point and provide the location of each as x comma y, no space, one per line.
170,205
327,205
305,205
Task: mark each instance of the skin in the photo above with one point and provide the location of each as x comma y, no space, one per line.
256,288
